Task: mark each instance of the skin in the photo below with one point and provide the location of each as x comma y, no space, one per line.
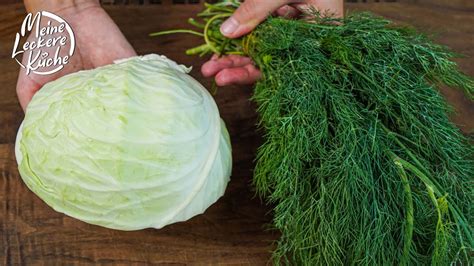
239,70
98,42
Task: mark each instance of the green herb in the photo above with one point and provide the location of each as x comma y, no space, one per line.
360,159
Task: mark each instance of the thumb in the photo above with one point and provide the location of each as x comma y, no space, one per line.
249,14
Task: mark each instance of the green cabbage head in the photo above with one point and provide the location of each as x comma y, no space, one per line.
131,145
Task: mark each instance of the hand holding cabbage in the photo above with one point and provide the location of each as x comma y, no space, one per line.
98,39
127,146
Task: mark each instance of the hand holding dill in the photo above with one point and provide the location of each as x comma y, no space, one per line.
360,159
237,69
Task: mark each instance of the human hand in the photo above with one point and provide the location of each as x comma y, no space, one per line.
240,70
98,42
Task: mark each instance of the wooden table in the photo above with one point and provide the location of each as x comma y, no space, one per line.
231,232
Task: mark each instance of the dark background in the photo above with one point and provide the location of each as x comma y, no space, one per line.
232,231
451,3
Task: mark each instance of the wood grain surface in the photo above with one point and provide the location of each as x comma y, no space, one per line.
231,232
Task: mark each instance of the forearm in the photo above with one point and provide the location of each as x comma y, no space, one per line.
33,6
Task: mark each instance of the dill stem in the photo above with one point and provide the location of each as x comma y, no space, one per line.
409,215
167,32
207,27
453,208
198,49
430,184
196,24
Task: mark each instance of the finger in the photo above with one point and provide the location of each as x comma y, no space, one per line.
248,16
25,89
215,65
245,75
287,12
333,8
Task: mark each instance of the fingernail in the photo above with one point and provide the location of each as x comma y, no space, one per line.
229,26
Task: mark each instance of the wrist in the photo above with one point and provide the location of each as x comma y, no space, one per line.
55,6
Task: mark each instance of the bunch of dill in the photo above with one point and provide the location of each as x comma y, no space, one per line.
360,159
